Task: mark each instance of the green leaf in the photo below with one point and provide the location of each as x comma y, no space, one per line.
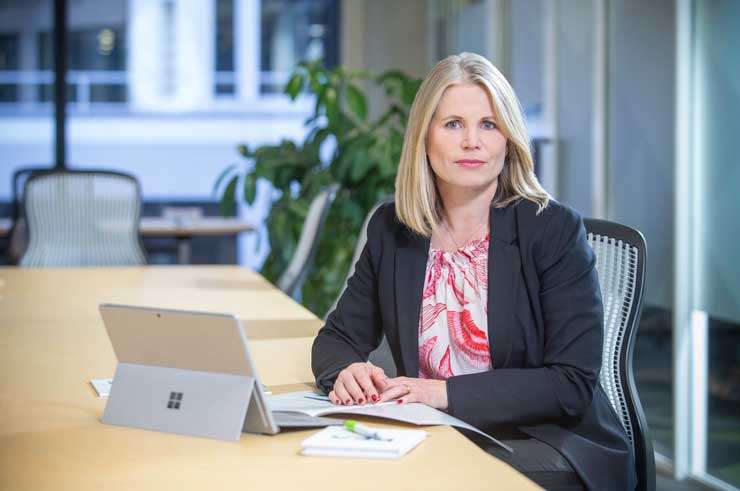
316,79
409,90
224,173
299,209
294,85
362,74
360,165
228,200
392,76
356,102
320,107
330,102
250,188
352,211
318,138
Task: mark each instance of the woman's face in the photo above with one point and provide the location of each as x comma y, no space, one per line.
464,147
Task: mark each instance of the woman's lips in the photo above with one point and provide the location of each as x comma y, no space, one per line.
470,163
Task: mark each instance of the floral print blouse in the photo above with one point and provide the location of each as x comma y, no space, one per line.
453,324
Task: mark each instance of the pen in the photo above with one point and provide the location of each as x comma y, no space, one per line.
363,430
318,397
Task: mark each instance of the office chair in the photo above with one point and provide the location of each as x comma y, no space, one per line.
381,356
82,218
18,234
292,279
620,263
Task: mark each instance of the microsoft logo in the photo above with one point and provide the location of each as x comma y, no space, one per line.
175,400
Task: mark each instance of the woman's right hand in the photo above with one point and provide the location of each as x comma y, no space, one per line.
358,383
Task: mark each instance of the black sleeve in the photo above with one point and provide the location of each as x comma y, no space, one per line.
352,331
570,299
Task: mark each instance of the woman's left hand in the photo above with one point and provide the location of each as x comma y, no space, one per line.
405,389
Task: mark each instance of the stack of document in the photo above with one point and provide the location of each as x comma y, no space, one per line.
337,441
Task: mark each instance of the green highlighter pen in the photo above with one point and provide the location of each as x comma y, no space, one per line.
363,430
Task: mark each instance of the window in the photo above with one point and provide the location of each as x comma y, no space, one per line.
8,61
97,64
526,54
714,236
293,31
224,56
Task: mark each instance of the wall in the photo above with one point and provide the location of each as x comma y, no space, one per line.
574,33
642,132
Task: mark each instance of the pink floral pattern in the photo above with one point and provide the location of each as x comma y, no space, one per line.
453,325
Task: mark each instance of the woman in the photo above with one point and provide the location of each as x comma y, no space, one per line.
485,289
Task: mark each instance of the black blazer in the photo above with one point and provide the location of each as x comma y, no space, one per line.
545,332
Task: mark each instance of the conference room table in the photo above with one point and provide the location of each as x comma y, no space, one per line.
53,342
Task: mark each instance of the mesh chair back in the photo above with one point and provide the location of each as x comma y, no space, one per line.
18,235
291,280
82,218
620,262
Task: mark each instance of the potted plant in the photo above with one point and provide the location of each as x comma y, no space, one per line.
363,161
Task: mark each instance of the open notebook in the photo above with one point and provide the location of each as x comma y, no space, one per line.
415,413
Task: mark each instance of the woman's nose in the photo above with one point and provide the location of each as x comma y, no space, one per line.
470,140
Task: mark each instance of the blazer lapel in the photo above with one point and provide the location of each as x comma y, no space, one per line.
410,269
504,264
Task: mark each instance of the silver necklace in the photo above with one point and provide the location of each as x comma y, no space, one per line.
449,232
457,246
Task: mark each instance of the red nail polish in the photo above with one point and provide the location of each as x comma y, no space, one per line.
347,401
399,401
361,401
375,398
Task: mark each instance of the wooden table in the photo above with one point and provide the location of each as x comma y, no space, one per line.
183,230
52,342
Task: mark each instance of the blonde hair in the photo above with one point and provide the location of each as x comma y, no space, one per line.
418,204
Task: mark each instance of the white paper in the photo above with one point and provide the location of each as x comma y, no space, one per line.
102,386
340,442
413,412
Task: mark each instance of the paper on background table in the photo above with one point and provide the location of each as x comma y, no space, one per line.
413,412
102,386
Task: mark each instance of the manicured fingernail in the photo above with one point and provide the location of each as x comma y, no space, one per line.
399,401
361,401
375,398
348,401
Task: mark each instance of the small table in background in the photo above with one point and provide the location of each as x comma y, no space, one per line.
183,229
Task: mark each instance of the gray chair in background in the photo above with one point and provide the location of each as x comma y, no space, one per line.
18,234
82,218
620,262
381,356
292,279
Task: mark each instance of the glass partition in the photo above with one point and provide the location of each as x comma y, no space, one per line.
716,235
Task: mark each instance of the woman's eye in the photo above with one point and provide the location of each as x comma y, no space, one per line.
489,125
453,124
